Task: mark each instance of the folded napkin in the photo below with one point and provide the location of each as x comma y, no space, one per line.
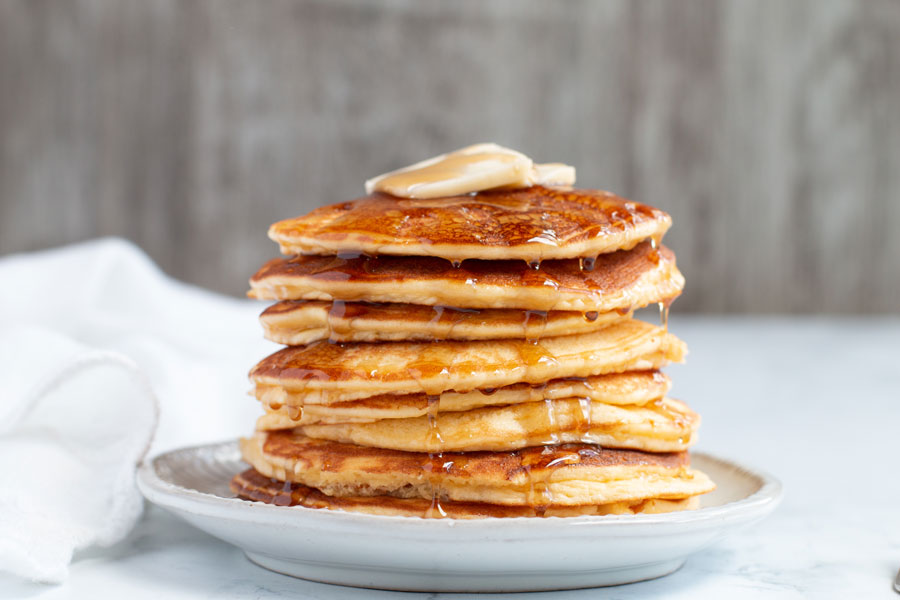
76,423
91,335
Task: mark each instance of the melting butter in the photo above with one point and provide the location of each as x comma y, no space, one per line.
470,169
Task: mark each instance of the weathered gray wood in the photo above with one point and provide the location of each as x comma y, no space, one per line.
769,129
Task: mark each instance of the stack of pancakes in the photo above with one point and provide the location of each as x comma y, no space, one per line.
471,356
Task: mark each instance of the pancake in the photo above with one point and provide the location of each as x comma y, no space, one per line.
664,425
564,475
621,281
360,370
296,322
528,224
633,387
252,485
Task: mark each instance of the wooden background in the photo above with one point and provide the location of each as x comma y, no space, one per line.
769,129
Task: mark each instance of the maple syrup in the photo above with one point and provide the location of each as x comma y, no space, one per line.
552,422
583,426
435,462
540,496
530,331
588,263
336,320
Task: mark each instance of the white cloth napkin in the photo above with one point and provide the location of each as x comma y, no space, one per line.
89,334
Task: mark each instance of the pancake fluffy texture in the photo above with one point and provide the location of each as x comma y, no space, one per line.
664,425
621,280
252,485
296,322
564,475
471,356
632,387
527,224
350,371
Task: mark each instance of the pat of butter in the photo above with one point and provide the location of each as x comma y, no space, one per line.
470,169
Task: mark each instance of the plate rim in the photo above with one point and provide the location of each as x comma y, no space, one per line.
169,495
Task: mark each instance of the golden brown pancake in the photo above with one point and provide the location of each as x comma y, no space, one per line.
295,322
633,387
620,280
564,475
252,485
664,425
360,370
527,224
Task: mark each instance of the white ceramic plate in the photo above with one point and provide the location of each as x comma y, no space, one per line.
486,555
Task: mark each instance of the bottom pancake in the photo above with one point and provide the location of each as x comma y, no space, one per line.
253,485
564,475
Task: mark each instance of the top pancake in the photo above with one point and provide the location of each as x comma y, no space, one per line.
530,224
616,281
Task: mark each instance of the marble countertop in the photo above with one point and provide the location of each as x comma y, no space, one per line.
815,401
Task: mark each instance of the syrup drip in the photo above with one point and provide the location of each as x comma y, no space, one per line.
534,315
284,497
306,373
553,434
294,412
338,325
584,421
587,263
456,264
540,496
444,320
430,368
659,407
534,264
653,255
536,278
532,353
664,313
437,316
536,392
336,265
591,316
435,461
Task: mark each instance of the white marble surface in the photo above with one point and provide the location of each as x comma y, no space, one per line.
814,401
